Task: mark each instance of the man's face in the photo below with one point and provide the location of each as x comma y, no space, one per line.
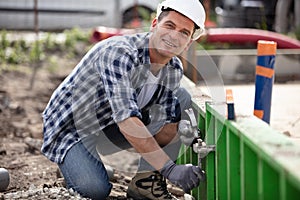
171,36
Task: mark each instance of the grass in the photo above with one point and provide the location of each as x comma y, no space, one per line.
19,51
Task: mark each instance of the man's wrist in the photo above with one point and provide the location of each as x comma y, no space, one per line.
167,168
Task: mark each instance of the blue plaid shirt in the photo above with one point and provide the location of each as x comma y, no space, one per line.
102,90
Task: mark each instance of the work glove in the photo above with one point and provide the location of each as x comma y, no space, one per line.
186,132
185,176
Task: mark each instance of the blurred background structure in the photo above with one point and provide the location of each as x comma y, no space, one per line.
62,14
231,25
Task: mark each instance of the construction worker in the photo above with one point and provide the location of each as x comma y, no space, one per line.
125,93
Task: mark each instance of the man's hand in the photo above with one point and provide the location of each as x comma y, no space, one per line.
185,176
186,132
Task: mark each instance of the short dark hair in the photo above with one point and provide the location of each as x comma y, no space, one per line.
165,12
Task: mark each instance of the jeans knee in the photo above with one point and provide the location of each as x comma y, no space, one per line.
95,192
184,98
85,173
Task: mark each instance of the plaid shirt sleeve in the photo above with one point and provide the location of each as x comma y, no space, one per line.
116,76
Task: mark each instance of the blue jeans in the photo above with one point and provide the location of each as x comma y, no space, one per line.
83,169
85,173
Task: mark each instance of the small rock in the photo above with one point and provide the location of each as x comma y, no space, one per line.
4,179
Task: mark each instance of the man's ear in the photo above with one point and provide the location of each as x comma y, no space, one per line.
153,24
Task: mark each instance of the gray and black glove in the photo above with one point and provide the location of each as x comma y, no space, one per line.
185,176
186,132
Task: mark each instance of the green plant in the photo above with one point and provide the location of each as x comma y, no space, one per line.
2,55
69,40
72,38
75,35
4,44
144,13
16,55
4,41
36,53
15,52
80,35
52,64
49,43
263,24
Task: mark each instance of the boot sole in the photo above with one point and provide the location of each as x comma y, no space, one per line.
134,196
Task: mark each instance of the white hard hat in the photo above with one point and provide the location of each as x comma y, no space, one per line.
192,9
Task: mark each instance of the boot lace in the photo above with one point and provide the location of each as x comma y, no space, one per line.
161,185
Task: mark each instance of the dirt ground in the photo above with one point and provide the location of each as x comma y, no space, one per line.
21,133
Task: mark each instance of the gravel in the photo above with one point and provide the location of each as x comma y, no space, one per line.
43,193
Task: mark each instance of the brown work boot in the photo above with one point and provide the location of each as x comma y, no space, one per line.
148,185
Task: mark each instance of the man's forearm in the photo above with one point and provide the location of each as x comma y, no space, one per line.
167,134
143,142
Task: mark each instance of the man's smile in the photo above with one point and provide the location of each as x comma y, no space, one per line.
168,43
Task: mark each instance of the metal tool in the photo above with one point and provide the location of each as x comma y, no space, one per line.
202,150
191,114
199,146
